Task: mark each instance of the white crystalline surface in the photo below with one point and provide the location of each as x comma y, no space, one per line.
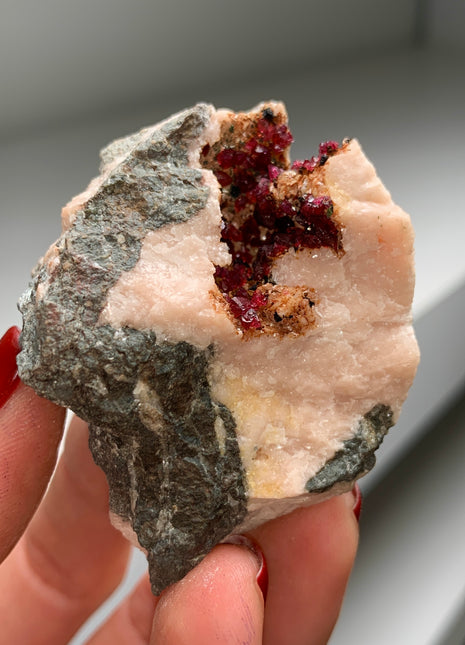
170,287
296,398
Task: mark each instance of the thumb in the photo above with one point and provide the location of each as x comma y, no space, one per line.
218,601
30,432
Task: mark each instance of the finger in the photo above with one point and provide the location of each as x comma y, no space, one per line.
30,431
217,602
70,558
131,623
309,554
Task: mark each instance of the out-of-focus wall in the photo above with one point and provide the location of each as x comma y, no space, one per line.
446,25
63,60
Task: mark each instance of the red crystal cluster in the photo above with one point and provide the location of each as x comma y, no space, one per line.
258,225
325,151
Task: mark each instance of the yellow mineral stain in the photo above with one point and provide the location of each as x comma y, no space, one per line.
262,480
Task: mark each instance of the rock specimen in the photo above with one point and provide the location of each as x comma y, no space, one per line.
235,329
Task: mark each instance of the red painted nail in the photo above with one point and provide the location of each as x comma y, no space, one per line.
252,545
357,507
262,578
9,349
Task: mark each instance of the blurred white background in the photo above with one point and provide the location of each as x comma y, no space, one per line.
74,75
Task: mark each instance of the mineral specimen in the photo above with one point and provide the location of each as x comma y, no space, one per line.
235,329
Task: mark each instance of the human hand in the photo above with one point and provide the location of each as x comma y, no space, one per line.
68,558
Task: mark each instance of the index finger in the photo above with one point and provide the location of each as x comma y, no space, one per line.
30,431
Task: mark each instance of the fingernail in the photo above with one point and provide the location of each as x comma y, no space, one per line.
357,507
253,546
9,349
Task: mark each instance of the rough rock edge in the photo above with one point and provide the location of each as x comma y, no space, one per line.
113,364
95,370
357,456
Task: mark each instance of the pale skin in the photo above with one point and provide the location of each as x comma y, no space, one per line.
61,558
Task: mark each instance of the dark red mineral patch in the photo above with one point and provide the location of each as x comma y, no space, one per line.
261,221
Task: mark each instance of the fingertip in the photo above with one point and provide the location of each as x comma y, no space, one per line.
310,554
343,534
216,601
255,549
30,429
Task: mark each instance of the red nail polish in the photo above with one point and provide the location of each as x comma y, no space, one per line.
357,507
9,349
252,545
262,577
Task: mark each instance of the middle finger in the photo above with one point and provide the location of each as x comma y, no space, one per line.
69,560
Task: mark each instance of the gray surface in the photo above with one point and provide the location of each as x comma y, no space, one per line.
62,60
409,577
446,20
145,400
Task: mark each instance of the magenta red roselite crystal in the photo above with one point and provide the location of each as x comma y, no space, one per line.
264,226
